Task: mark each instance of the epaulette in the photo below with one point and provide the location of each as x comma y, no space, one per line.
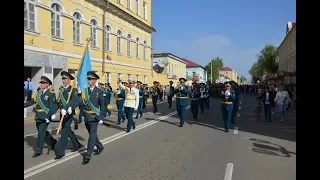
51,90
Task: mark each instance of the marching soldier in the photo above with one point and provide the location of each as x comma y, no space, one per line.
107,98
202,101
182,93
170,94
120,97
195,99
131,103
145,96
208,94
235,88
93,104
155,91
45,112
67,97
228,97
141,94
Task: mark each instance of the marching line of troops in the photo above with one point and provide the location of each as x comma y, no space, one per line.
130,96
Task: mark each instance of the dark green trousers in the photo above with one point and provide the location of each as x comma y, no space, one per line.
66,132
43,136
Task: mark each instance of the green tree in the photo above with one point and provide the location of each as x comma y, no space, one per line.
216,64
243,79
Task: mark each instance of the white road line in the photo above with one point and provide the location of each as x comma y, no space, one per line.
284,127
235,131
48,164
238,115
239,107
229,170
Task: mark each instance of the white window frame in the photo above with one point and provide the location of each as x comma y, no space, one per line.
129,48
145,10
129,4
73,26
108,77
129,77
57,15
28,13
138,77
94,33
144,79
138,7
145,50
119,1
119,41
108,37
137,48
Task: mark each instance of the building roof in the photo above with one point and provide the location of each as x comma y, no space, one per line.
156,53
226,69
191,63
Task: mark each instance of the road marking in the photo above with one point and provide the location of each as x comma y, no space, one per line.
48,164
285,127
238,115
229,170
239,107
235,131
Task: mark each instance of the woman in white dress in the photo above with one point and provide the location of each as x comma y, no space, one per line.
282,99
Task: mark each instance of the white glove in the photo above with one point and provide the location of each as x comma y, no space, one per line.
47,121
63,112
135,109
53,117
100,122
227,93
69,110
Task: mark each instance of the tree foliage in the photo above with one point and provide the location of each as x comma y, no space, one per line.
243,79
266,63
217,64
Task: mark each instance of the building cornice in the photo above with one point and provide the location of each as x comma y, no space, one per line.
172,56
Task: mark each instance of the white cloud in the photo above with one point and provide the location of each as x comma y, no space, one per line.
203,48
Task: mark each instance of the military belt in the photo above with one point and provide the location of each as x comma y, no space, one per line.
140,96
119,98
182,97
89,112
223,102
131,99
38,110
195,98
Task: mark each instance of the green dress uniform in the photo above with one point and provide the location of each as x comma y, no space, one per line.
93,103
46,107
227,107
195,100
65,105
120,97
141,94
155,91
236,101
182,94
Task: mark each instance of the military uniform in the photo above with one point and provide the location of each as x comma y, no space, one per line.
107,98
67,98
208,94
171,94
45,112
228,98
131,103
141,99
182,93
203,96
155,91
93,103
120,97
235,88
195,99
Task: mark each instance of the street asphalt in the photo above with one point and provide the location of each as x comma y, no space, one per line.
158,149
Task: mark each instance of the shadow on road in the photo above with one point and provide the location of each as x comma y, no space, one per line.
270,149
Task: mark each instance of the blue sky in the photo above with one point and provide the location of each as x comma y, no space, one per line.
235,30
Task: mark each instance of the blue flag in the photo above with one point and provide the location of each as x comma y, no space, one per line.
84,68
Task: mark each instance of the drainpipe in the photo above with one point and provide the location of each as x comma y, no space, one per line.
103,37
152,53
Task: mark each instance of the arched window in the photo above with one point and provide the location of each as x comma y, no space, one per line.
137,48
76,27
93,33
108,38
56,20
129,45
145,50
119,43
29,14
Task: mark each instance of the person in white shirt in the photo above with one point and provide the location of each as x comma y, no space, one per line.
283,99
131,102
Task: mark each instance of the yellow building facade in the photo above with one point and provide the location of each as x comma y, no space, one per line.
175,67
56,32
287,50
227,74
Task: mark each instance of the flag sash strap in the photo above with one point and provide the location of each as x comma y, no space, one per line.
63,100
92,107
42,106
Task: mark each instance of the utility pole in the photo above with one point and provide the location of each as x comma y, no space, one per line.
211,72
